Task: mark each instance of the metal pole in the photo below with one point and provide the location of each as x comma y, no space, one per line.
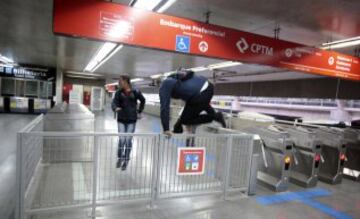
95,178
155,175
20,199
227,165
250,162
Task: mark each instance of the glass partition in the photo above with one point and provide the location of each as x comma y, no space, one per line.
20,88
31,89
43,90
50,89
7,87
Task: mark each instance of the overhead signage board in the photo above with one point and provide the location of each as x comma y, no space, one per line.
28,72
191,161
107,21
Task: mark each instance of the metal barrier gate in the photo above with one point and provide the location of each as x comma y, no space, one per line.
60,182
307,156
333,153
352,164
277,153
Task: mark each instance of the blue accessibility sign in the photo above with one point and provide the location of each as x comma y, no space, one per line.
182,43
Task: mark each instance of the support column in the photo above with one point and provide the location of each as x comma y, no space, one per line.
59,85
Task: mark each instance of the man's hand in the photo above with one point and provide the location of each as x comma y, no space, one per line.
139,116
117,109
168,133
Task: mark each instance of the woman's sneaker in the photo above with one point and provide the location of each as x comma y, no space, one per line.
118,163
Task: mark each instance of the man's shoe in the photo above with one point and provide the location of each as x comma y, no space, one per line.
178,128
220,119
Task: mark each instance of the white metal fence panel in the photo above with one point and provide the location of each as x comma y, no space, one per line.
171,184
54,174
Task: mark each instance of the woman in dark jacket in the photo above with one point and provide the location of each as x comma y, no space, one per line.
125,105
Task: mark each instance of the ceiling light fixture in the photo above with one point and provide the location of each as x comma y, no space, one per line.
6,60
341,43
111,84
156,76
7,65
136,80
146,4
165,6
224,65
83,73
198,69
201,68
120,46
79,76
102,53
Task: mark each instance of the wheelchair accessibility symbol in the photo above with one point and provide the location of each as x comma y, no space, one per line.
182,43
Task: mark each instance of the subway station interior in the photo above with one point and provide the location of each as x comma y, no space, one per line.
186,109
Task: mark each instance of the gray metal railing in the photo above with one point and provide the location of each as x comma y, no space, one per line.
50,178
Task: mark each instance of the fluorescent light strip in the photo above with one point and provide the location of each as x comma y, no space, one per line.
342,43
6,59
84,77
198,69
105,49
201,68
83,73
147,4
223,65
115,83
102,56
7,65
156,76
108,57
136,80
166,6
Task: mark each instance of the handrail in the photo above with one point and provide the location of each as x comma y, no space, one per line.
32,124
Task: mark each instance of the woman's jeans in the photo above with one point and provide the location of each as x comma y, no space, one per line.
125,142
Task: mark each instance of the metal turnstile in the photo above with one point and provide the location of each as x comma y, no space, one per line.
277,153
352,164
307,156
333,153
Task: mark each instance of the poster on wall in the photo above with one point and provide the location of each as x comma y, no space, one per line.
19,104
74,97
97,96
40,104
76,94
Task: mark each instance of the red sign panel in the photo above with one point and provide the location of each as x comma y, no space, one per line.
99,20
191,161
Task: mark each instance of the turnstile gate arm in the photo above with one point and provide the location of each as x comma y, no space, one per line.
322,158
263,153
295,158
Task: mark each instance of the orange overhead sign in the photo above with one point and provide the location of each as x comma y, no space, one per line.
107,21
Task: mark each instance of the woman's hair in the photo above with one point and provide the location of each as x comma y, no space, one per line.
126,78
